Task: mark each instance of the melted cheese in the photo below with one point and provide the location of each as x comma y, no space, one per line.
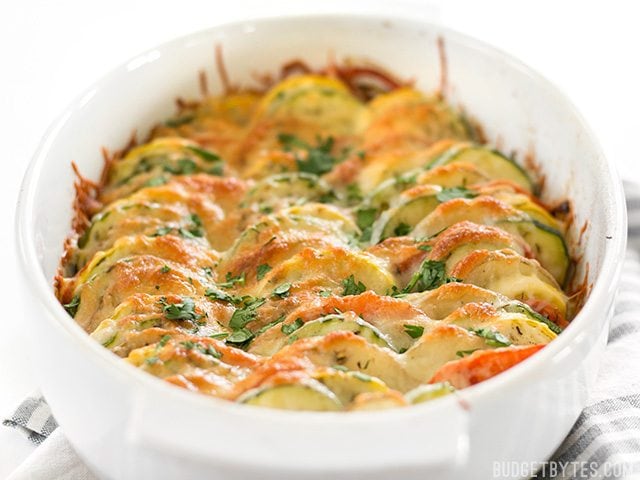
275,290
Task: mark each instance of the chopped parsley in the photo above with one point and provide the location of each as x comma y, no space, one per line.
454,192
185,310
414,331
205,155
406,180
491,337
267,326
184,166
155,181
240,336
245,313
430,275
165,269
209,350
464,353
318,159
365,217
262,270
354,194
164,340
179,121
232,281
282,290
351,287
161,231
72,306
289,328
218,295
424,247
219,336
402,229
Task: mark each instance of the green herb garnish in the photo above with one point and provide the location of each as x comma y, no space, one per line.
72,306
262,270
205,155
364,219
185,310
246,313
351,287
414,331
318,160
402,229
491,337
233,281
430,275
454,192
464,353
289,328
282,290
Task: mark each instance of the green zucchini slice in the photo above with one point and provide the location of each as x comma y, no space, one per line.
310,395
336,322
424,393
346,385
547,243
400,220
489,161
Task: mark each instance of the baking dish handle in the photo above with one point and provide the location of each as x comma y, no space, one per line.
428,439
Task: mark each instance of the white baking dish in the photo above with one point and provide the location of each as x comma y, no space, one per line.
127,424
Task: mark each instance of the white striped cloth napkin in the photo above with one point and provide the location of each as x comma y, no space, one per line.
604,443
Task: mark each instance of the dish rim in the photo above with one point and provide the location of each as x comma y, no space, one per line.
604,285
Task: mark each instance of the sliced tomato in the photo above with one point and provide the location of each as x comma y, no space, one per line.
482,365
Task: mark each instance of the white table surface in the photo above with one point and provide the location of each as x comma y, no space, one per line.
51,51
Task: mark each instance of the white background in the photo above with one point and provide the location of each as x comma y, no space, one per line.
51,51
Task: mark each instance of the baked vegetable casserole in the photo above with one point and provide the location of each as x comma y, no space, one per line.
337,240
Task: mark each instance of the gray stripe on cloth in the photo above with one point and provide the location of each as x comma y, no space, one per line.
591,415
622,330
34,418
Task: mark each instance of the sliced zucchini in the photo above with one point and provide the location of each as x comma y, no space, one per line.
488,161
377,401
325,103
547,243
514,328
442,301
175,250
424,393
311,395
381,197
438,346
457,174
407,118
298,221
155,162
400,220
462,238
519,307
524,204
327,268
346,385
339,322
516,277
285,190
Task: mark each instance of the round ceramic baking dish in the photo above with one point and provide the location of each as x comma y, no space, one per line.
127,424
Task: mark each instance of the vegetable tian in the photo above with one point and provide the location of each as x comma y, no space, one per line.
336,241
